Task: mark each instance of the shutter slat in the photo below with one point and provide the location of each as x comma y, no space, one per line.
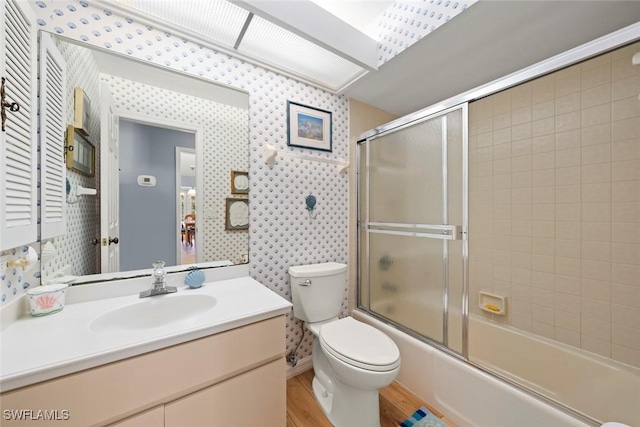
19,153
19,202
16,59
20,166
15,17
20,121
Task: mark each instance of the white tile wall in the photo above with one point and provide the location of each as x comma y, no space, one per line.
555,211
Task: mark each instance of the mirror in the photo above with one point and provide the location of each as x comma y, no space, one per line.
165,148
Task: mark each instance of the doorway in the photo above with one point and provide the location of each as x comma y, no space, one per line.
149,223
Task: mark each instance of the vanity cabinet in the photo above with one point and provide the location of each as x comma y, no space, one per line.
248,399
233,378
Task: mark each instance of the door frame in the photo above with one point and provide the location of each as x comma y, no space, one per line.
198,130
108,122
455,232
179,151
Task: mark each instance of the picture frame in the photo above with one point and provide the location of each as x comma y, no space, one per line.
80,152
308,127
236,214
81,111
239,182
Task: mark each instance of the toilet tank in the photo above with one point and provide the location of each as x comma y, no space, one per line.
321,297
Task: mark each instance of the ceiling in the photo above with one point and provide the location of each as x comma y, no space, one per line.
165,78
337,49
489,40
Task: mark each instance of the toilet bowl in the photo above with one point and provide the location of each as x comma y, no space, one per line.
359,354
351,360
347,375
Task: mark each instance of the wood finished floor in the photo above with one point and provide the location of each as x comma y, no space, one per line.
396,404
188,254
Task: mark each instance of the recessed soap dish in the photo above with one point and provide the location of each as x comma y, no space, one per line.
494,304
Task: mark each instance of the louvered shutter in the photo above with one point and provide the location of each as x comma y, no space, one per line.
53,170
18,151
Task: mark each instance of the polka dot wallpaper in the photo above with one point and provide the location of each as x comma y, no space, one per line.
15,281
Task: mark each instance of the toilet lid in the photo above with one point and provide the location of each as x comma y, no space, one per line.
360,345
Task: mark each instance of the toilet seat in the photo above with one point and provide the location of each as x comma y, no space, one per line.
359,345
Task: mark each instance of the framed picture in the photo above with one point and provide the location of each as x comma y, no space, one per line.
239,182
80,152
308,127
82,111
236,214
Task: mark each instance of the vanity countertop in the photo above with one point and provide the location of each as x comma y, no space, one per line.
34,349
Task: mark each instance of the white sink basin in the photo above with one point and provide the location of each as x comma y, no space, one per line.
153,312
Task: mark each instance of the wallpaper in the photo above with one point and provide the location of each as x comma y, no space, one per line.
281,234
15,281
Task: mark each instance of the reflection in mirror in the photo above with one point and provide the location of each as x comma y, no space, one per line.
165,146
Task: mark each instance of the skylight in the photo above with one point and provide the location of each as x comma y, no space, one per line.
221,23
273,44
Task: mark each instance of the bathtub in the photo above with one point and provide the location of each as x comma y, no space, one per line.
601,388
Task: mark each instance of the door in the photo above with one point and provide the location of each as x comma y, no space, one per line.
412,226
185,181
53,168
109,184
18,143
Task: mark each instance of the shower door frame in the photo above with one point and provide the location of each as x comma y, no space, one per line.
454,232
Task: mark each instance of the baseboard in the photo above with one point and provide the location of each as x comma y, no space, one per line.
303,364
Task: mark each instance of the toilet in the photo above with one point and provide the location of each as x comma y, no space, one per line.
351,360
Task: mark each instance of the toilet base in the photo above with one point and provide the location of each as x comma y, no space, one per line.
344,405
361,408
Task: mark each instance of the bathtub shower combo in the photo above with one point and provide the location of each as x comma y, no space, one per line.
463,349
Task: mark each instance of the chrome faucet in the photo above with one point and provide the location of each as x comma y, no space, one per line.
159,285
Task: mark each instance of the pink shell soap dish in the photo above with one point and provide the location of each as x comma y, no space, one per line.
47,299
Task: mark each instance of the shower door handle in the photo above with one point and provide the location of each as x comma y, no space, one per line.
433,231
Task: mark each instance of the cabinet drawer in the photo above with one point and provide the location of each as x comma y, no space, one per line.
109,393
255,398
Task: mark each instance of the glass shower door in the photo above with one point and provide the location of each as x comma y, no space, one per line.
411,226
